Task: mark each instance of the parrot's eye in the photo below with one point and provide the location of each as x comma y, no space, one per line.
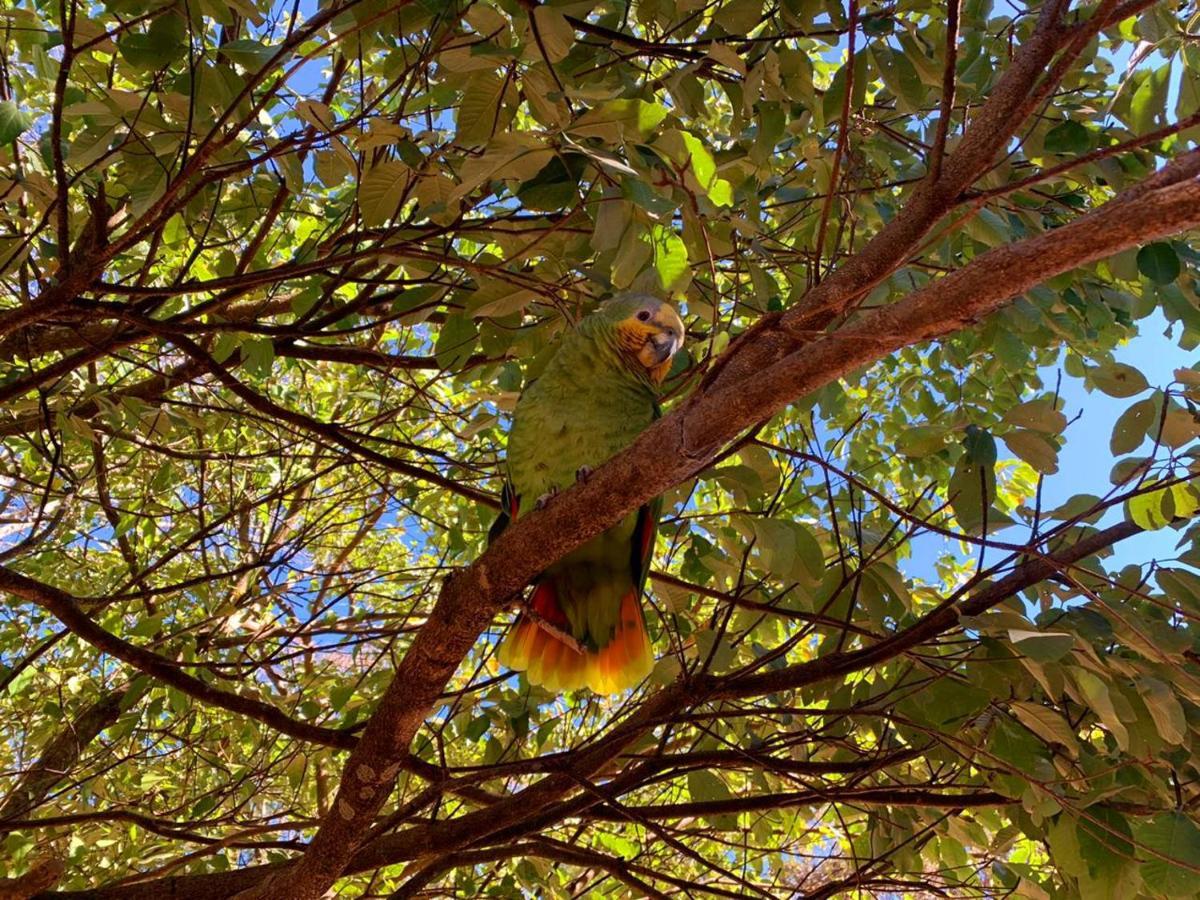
643,315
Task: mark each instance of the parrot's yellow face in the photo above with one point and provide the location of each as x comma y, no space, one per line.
650,332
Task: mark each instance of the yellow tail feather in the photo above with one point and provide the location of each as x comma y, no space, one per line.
556,665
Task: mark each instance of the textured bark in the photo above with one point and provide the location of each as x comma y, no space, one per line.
42,876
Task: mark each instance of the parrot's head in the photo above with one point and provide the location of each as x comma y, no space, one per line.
648,332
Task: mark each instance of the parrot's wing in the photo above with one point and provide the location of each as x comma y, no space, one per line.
509,504
644,534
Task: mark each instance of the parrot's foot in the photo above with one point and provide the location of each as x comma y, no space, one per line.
583,473
543,501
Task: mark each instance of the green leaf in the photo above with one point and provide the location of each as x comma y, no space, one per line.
1063,838
557,35
480,113
1181,586
1146,509
380,192
971,491
1180,426
727,56
1096,695
634,254
1172,841
704,168
1164,709
946,702
514,156
972,486
455,341
258,356
979,446
1079,505
1036,449
1118,379
248,54
498,298
1046,723
554,187
742,481
921,440
159,46
1039,415
1042,646
1068,138
1148,104
13,121
613,219
616,119
900,77
666,670
721,192
923,61
877,25
789,550
835,96
1105,840
704,787
1131,427
670,257
1159,262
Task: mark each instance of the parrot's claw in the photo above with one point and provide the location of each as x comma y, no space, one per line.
583,473
543,501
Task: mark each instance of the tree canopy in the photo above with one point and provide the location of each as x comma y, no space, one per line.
272,276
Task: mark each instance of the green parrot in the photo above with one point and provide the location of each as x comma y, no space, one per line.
583,625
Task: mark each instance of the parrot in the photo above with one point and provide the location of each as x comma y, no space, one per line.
583,625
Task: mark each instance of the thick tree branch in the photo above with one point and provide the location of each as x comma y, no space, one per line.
540,805
60,755
676,448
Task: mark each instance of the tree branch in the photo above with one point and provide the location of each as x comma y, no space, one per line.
677,447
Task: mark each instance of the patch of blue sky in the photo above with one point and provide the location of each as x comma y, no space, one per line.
1085,463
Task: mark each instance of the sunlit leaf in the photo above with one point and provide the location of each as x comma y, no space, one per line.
13,121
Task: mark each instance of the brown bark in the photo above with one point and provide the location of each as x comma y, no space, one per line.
42,876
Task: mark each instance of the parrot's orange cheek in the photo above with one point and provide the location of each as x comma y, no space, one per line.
654,363
648,357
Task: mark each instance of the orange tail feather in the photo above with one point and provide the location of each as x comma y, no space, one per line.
540,646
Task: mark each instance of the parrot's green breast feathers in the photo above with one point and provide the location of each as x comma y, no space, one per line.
597,393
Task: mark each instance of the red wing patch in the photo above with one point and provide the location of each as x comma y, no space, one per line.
544,604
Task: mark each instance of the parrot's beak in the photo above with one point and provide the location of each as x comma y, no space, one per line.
663,346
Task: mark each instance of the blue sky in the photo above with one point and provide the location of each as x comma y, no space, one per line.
1085,461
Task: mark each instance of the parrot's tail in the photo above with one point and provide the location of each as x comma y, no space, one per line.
540,644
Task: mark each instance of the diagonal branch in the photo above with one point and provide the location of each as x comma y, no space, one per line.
677,447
